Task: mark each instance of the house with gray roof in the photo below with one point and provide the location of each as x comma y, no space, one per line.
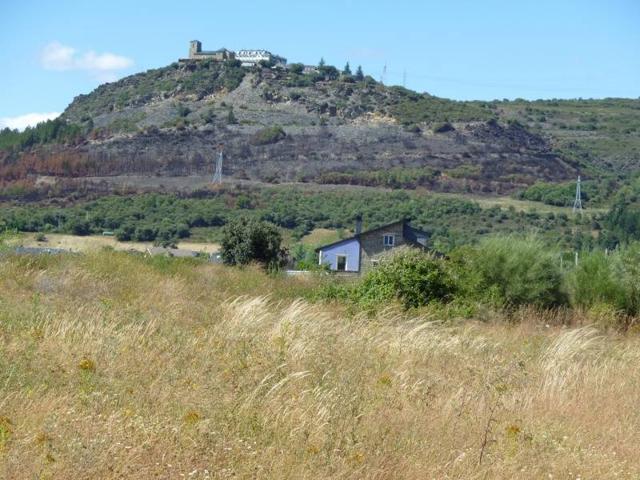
362,251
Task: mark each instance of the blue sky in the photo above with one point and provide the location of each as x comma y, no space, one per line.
51,51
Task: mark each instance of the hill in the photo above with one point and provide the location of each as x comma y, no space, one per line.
283,125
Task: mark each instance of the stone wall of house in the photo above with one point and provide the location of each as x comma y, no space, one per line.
372,243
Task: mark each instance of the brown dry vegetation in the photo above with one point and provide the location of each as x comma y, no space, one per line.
115,366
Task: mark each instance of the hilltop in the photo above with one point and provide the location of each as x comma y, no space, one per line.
285,125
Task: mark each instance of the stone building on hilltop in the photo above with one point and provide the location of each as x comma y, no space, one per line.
248,58
196,53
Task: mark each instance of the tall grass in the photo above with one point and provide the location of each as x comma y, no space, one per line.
114,366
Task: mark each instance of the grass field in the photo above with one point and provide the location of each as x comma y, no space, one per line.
117,366
90,243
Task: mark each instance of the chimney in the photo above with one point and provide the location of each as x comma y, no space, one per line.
358,224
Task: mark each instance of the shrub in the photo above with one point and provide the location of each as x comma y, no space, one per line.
268,135
296,68
443,127
183,110
231,117
79,227
593,281
612,280
509,271
409,275
247,240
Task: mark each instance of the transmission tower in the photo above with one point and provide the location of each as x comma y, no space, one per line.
404,78
577,204
384,74
217,176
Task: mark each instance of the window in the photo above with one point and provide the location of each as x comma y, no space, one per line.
341,263
388,240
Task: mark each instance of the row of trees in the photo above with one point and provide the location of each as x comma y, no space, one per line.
50,131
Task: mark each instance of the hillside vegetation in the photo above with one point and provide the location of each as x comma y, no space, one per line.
324,127
118,366
163,217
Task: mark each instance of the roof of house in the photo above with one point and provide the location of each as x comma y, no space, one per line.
408,232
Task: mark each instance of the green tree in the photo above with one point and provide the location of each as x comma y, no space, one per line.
321,63
359,74
246,240
231,117
296,68
346,70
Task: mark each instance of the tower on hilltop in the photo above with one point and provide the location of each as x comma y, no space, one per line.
195,47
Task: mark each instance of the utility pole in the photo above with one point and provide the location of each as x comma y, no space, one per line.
383,77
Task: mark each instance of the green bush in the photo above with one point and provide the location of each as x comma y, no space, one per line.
612,280
268,135
509,271
409,275
247,240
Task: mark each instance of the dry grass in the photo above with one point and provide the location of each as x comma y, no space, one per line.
75,243
114,366
320,236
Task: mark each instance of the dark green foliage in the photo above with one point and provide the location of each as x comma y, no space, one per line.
183,110
451,221
268,135
443,127
408,275
231,117
359,76
246,240
329,73
411,107
79,227
346,70
296,68
51,131
209,116
623,220
563,194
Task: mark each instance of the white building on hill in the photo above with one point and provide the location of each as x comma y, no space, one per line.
249,58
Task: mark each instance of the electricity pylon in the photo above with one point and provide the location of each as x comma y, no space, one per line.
577,203
217,176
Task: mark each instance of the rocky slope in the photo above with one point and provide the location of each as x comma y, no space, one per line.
279,126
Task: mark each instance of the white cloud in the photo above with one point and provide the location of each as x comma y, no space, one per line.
27,120
56,56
